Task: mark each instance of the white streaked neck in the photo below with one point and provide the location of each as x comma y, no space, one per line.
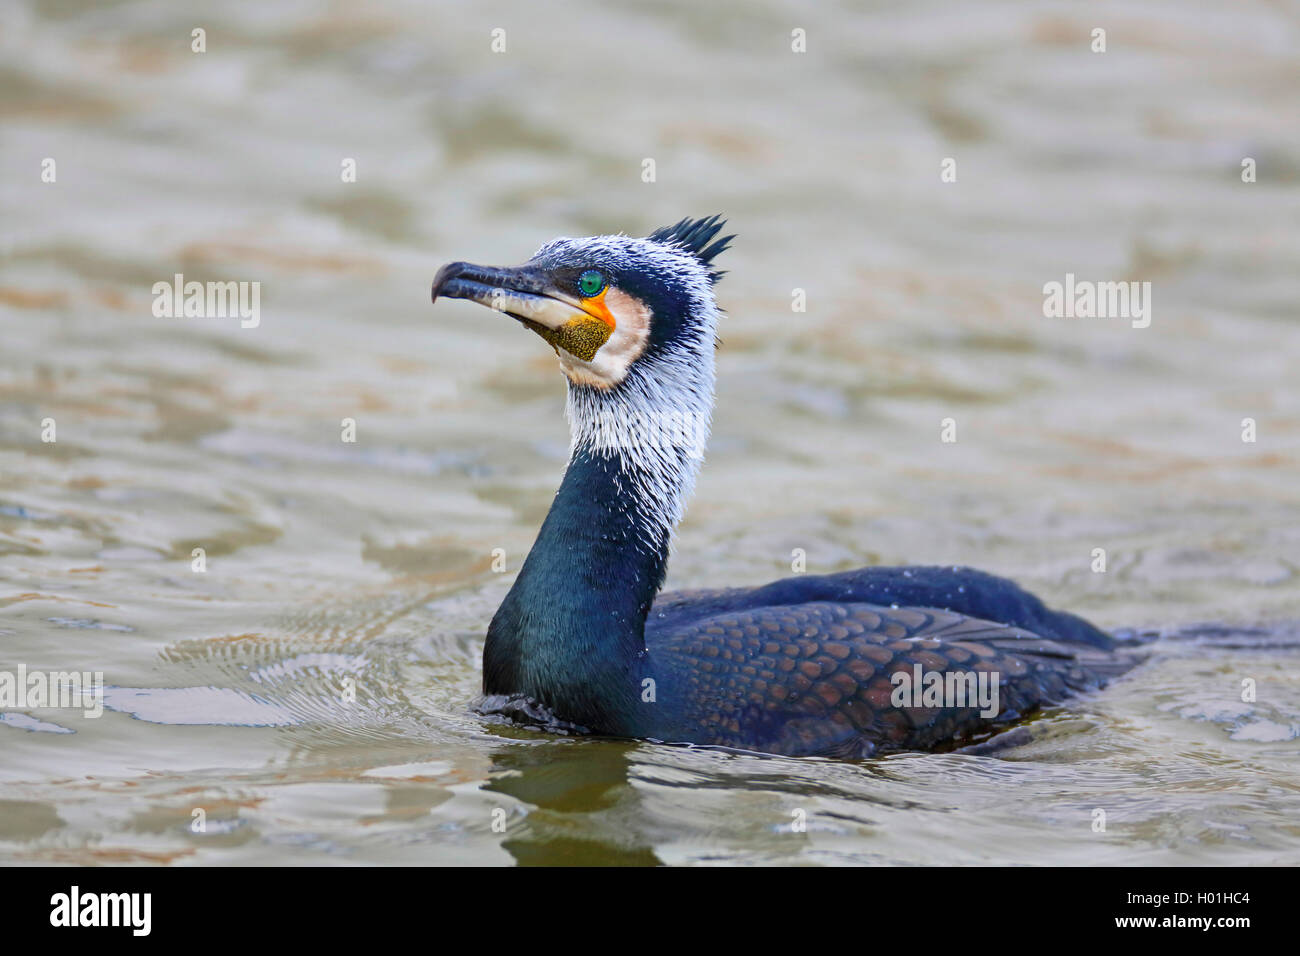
657,422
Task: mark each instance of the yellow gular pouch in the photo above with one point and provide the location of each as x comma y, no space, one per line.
598,347
581,337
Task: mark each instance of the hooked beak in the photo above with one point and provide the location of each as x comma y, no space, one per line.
523,292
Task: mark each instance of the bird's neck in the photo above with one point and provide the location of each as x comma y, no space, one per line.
571,632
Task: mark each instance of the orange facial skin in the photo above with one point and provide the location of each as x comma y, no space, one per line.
595,306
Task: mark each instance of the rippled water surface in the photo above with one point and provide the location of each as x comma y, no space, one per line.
369,564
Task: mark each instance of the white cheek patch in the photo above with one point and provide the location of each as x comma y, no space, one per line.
609,366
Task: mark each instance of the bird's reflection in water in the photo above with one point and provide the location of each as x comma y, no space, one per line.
585,809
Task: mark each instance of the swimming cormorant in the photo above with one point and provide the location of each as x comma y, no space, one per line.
847,665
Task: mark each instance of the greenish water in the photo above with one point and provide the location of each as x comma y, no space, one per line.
372,562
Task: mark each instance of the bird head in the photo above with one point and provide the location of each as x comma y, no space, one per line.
609,305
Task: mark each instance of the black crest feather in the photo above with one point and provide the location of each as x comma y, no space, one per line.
696,236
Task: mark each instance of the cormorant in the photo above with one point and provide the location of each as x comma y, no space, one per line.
846,665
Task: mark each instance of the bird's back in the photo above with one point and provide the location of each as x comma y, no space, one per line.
807,665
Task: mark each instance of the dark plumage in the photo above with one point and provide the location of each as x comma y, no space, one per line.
693,235
803,665
808,665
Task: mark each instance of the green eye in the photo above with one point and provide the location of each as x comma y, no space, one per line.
590,283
